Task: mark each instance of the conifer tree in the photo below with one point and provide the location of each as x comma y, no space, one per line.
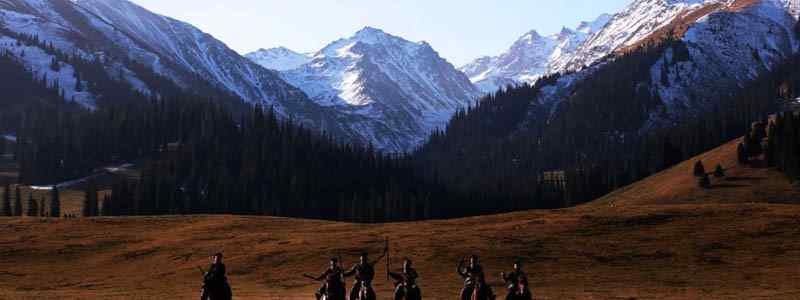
741,154
106,208
719,172
78,82
90,199
55,203
699,169
33,207
7,201
42,209
17,202
55,66
704,181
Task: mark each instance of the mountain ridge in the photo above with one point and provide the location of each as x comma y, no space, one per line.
399,91
530,57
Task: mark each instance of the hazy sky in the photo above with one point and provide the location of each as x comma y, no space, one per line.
460,30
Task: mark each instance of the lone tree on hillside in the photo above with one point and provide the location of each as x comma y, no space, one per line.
17,203
699,169
33,207
704,181
719,172
55,203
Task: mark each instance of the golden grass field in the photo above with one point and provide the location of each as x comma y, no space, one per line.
662,238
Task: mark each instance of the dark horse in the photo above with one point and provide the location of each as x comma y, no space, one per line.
366,293
215,282
480,292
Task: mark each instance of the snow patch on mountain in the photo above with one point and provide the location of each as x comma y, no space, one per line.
403,88
639,20
279,59
720,52
725,50
530,57
38,62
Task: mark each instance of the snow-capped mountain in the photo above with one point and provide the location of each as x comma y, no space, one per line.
392,91
721,45
647,20
279,59
530,57
119,31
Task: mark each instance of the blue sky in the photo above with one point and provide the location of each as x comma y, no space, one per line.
460,30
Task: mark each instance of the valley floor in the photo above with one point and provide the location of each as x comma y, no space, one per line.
662,238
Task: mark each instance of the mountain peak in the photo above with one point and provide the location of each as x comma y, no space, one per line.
370,29
531,35
370,32
278,58
595,25
565,32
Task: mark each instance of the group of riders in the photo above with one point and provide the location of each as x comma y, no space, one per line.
216,287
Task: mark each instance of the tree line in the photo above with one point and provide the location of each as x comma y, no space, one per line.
783,144
41,207
498,153
505,153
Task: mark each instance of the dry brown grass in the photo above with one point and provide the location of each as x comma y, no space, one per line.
662,239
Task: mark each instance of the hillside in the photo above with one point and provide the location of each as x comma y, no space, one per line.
661,239
674,186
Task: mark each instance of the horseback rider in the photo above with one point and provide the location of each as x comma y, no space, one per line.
517,283
215,282
473,278
333,287
406,282
365,273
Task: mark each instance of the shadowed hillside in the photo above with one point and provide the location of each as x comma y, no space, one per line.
662,238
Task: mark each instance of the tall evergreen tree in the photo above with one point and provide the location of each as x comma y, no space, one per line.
17,202
55,203
699,169
741,154
704,181
719,172
90,208
33,207
7,201
106,208
42,207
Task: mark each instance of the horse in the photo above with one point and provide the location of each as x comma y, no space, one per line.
221,291
365,292
408,292
477,292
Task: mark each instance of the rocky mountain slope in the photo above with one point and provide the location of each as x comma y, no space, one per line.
721,46
641,22
393,91
530,57
118,30
405,89
279,59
